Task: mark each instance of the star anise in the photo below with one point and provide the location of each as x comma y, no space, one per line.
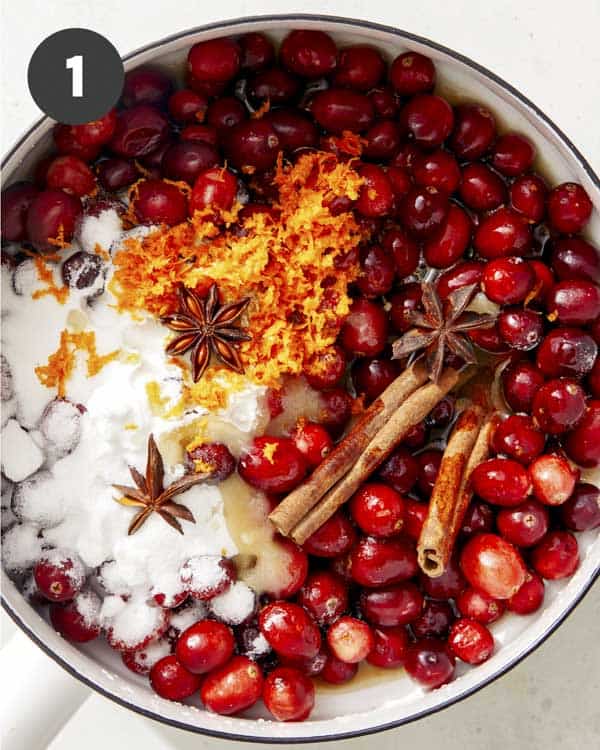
150,496
206,327
441,327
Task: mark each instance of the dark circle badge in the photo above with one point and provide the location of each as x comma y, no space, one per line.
75,76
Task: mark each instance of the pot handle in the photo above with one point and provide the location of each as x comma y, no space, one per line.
38,699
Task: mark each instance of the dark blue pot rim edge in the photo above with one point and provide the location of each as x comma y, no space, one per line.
295,18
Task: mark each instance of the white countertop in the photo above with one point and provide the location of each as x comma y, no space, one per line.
549,50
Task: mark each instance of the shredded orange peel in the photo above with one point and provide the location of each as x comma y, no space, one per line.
46,274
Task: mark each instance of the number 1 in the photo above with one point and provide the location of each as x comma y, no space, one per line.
75,64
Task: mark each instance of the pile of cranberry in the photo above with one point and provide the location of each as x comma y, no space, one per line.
442,190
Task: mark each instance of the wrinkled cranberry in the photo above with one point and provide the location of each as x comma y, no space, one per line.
140,131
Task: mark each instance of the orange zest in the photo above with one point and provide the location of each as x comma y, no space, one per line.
45,274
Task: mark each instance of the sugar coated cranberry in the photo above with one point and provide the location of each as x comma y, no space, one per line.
115,173
216,187
583,443
575,258
471,641
502,233
492,565
288,694
272,464
438,169
400,470
528,196
474,131
186,160
478,606
521,382
377,509
372,376
501,481
513,154
309,53
553,479
448,585
350,640
481,188
52,215
213,459
379,562
325,596
519,438
140,131
187,106
159,202
569,208
15,203
390,647
78,620
556,556
574,302
520,328
559,405
423,211
294,130
392,605
566,351
81,270
581,511
428,118
478,517
434,620
364,331
232,688
450,241
327,368
253,143
406,301
429,663
523,525
337,672
334,538
313,441
360,67
205,646
207,576
507,281
59,575
529,597
215,60
172,681
290,630
256,51
338,109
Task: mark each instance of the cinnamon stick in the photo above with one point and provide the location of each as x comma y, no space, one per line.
414,409
299,502
448,500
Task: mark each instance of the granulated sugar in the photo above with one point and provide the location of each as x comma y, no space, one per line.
235,605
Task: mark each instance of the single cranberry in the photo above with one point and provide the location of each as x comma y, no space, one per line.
337,109
360,67
202,133
325,370
313,441
213,459
423,211
428,118
559,405
225,113
581,511
309,53
429,465
478,517
389,647
400,470
290,630
412,73
507,281
272,464
140,131
502,233
450,241
463,274
474,131
364,331
544,281
434,621
478,606
529,597
438,169
187,106
518,438
66,143
97,132
385,101
566,351
575,258
337,672
489,339
448,585
521,382
471,641
253,143
405,302
256,51
232,688
325,596
401,183
372,376
335,537
382,140
72,623
553,479
207,576
377,509
379,562
375,197
186,160
416,437
288,694
296,569
492,565
569,208
528,196
392,605
172,681
215,188
205,646
415,515
294,129
556,556
81,270
308,667
115,173
15,203
524,525
583,443
209,89
501,481
350,640
274,85
153,160
215,60
512,154
574,302
520,328
159,202
408,153
429,663
146,86
336,410
52,215
481,188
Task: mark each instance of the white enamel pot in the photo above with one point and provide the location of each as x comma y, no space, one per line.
376,705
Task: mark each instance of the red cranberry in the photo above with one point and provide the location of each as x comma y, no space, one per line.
232,688
404,250
225,113
581,511
325,596
559,405
288,694
429,465
364,331
481,189
97,132
416,437
256,51
172,681
423,211
293,129
566,351
272,464
553,479
429,663
202,133
583,443
68,620
254,143
556,556
492,565
336,410
392,605
375,197
209,89
524,525
327,369
66,143
205,646
448,585
400,470
372,376
544,281
72,175
360,67
335,537
529,597
378,510
153,160
528,196
502,233
519,438
159,202
215,60
521,382
52,215
115,173
309,53
215,188
290,630
338,109
187,106
507,281
81,270
415,516
471,641
382,140
428,118
478,606
15,203
390,647
213,459
474,131
379,562
186,160
501,481
489,339
574,302
146,86
140,131
438,169
274,85
512,154
350,640
575,258
569,208
463,274
412,73
337,672
385,101
313,441
404,303
296,570
521,328
451,240
478,517
434,621
207,576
